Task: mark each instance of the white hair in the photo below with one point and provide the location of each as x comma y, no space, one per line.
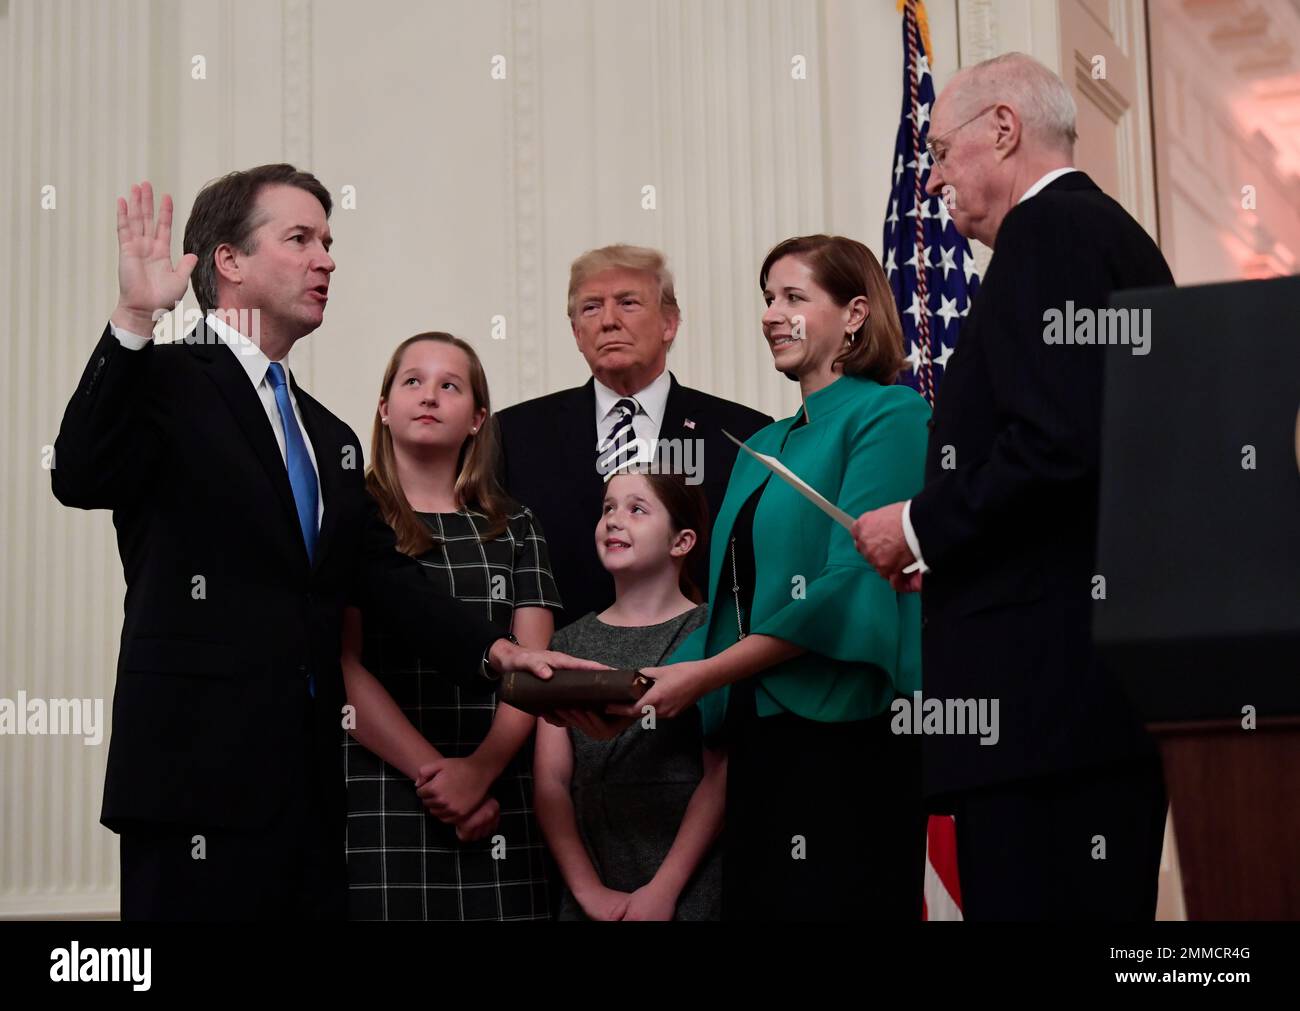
1041,99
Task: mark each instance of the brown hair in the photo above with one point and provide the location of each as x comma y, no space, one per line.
224,213
624,257
845,269
687,508
476,480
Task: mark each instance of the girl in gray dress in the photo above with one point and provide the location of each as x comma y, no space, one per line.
631,810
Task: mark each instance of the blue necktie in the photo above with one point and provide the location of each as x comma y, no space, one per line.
302,475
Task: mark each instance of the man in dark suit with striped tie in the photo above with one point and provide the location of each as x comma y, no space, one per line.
244,527
558,448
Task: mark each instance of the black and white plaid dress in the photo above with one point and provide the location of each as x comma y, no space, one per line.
404,864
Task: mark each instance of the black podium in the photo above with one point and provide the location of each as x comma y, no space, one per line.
1199,544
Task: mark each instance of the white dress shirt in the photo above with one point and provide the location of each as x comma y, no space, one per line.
913,544
646,422
1046,181
255,365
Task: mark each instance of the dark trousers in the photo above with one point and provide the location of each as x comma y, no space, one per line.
850,793
295,868
1082,846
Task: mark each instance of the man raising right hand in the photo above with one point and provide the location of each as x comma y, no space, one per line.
244,527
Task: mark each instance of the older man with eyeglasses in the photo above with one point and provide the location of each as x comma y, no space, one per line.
1063,816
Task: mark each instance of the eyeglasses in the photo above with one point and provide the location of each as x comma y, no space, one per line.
939,155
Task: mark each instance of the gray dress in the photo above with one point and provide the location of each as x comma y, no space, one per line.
630,794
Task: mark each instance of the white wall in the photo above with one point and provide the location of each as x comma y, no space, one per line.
473,196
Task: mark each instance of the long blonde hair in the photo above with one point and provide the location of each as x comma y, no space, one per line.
476,468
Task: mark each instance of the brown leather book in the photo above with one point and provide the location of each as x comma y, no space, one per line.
572,689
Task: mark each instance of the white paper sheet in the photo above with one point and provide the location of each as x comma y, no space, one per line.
805,489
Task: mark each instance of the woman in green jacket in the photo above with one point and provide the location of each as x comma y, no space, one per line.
806,646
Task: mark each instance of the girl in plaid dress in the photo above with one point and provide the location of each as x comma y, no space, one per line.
440,815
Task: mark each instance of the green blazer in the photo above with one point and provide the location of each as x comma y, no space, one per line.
862,447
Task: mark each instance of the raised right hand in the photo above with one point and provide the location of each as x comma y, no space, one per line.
146,280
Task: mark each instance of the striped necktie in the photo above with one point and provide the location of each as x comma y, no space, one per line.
617,449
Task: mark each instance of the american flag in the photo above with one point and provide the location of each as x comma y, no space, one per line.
929,264
932,274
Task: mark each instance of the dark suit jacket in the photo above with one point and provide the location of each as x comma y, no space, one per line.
1010,531
549,464
224,616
